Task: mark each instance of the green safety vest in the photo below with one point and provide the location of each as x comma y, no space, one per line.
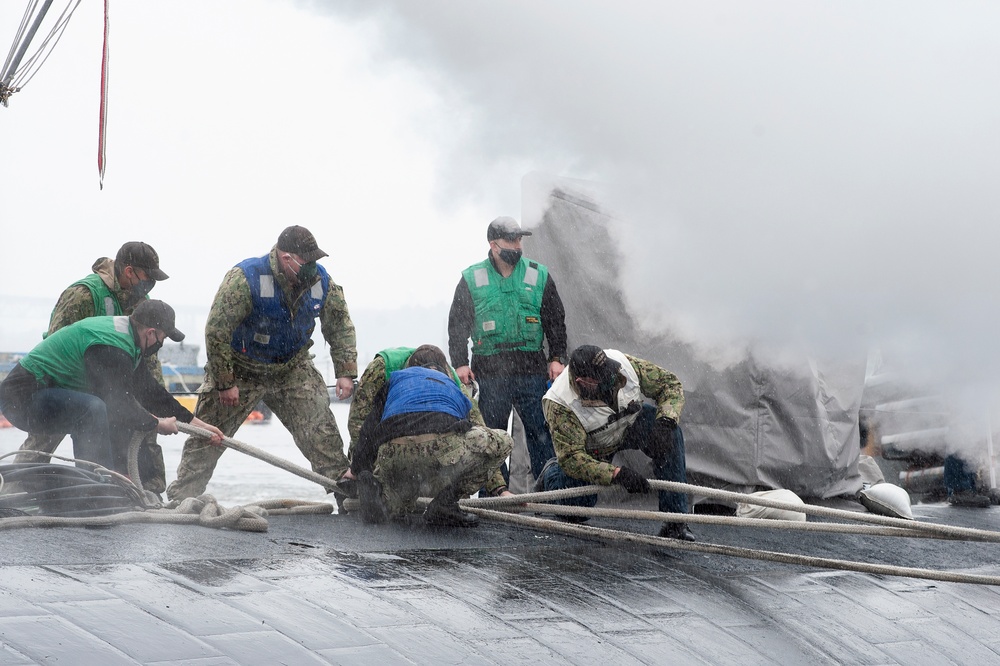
105,302
395,358
508,310
57,361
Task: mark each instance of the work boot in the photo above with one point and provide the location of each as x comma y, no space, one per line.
443,511
676,531
347,487
969,498
373,509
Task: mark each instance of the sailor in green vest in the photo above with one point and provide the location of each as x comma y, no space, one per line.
88,380
509,306
112,288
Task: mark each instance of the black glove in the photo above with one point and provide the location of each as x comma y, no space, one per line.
664,434
631,480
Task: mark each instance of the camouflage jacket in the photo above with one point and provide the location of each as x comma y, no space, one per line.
233,303
569,438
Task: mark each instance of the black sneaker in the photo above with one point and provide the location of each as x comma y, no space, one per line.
373,509
676,531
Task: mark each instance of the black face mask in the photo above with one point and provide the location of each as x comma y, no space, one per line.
140,289
152,349
510,257
605,390
308,272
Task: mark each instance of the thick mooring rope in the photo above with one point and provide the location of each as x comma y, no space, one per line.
616,536
260,454
508,509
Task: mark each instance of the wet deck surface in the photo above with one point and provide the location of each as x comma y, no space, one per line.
327,589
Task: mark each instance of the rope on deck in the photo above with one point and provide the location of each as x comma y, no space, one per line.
260,454
508,509
605,534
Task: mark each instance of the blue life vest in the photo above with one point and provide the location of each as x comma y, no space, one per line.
424,390
271,333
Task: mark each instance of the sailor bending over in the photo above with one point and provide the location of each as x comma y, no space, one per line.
89,380
422,438
597,409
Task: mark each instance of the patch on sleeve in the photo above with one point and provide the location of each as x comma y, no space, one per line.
532,320
489,326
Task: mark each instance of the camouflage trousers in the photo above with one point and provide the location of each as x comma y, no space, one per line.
151,468
423,465
297,395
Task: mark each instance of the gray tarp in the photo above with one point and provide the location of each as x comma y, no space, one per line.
745,425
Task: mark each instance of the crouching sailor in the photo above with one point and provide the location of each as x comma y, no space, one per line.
422,438
89,380
597,409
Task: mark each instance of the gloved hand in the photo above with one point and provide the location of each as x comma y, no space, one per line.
631,480
665,432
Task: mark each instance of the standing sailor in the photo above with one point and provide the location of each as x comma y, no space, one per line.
258,339
509,306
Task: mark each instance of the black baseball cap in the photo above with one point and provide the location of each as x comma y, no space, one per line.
157,314
591,361
299,240
506,228
140,255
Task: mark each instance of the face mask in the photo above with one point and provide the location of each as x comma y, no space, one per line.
601,391
510,257
153,348
141,288
307,271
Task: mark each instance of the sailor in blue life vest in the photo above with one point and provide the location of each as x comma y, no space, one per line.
599,408
258,339
422,439
509,307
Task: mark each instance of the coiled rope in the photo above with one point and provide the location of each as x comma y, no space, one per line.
203,510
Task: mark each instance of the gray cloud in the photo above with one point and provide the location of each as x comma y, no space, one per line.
797,173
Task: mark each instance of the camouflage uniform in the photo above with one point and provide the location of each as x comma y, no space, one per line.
295,391
569,437
371,382
76,303
423,465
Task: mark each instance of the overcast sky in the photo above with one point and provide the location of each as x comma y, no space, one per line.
817,174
